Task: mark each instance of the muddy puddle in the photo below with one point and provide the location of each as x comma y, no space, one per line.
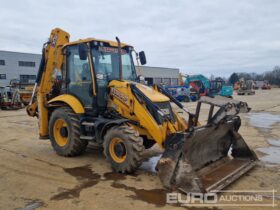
32,205
272,153
274,142
150,165
88,178
154,196
263,120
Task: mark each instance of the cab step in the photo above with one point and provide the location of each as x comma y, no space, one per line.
88,138
90,124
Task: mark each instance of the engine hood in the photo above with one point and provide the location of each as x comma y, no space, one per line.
151,93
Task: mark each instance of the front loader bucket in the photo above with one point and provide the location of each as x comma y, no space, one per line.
206,159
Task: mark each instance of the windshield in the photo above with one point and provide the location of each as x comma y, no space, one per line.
216,84
106,63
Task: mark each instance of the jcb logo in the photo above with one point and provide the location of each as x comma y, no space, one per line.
119,95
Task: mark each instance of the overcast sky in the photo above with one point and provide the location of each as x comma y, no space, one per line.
210,37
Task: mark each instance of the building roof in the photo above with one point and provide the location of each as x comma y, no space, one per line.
7,51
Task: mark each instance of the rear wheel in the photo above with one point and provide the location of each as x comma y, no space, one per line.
64,132
123,148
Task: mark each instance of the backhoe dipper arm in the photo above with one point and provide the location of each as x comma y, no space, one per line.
52,58
33,105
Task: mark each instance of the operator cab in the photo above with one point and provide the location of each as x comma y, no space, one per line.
216,85
91,66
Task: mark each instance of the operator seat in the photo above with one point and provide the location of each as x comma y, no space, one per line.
86,75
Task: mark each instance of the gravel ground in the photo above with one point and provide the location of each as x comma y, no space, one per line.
32,176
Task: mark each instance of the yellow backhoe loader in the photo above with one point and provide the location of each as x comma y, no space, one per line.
88,91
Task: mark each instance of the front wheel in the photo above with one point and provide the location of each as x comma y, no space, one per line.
123,148
64,132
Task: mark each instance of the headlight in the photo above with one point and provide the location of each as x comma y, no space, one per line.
165,111
165,108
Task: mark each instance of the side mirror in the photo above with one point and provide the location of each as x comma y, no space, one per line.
83,51
142,57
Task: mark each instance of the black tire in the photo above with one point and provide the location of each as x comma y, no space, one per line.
133,145
74,146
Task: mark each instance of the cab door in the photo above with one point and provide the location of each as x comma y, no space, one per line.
79,78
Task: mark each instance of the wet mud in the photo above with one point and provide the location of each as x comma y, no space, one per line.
264,123
150,165
86,177
32,205
263,120
154,196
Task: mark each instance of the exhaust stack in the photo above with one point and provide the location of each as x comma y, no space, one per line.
120,58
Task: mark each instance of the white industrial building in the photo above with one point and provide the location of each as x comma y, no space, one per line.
17,65
24,66
159,75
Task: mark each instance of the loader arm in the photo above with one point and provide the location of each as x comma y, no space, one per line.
52,59
128,99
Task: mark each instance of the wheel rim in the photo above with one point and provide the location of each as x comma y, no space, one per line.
117,150
60,132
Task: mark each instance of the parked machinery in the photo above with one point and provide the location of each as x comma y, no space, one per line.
246,87
207,87
182,93
1,95
10,98
219,87
24,90
266,85
198,82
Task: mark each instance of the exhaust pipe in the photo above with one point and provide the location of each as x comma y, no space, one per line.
120,58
